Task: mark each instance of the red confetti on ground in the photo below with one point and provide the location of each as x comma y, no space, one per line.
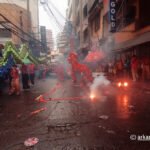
68,98
19,115
53,90
38,111
31,141
41,99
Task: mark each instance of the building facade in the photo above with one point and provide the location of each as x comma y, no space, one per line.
78,16
18,18
92,22
62,42
50,40
32,7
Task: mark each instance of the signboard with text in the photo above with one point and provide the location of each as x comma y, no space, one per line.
112,15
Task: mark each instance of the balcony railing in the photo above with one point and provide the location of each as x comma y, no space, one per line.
122,23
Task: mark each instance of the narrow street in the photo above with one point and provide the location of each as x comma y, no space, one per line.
74,75
66,119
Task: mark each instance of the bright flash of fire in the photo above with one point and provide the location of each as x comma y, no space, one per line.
119,84
125,84
92,96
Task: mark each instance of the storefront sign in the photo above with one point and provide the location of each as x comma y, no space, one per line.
112,15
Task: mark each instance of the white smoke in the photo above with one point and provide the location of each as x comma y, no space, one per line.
98,83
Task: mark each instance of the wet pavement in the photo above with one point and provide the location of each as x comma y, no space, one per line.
63,117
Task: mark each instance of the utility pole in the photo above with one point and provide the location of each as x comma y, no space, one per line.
21,24
28,13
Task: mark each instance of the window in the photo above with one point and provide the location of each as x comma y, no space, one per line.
106,25
77,3
85,11
144,15
5,33
126,12
86,35
79,36
97,22
78,19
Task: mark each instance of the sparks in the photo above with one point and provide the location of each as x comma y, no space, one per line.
119,84
125,84
92,96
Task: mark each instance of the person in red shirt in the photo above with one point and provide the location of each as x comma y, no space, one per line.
134,67
32,73
15,84
146,68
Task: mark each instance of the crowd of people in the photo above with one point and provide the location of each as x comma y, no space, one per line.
23,77
131,67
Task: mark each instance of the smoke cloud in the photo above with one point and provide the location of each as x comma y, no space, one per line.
99,83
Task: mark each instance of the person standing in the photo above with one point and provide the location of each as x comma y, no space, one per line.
127,67
146,68
119,66
15,84
25,77
32,73
134,67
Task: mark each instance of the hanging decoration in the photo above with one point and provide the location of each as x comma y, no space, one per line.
12,55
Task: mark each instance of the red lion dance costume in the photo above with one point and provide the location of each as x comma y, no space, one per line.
81,68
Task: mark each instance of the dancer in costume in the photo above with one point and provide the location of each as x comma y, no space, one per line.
77,67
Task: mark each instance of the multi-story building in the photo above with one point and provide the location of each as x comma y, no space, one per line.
62,42
132,33
50,40
78,15
9,21
95,19
32,12
133,27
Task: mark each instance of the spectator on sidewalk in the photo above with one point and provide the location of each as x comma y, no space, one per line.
32,73
140,70
119,66
134,67
127,67
15,84
44,72
146,68
25,77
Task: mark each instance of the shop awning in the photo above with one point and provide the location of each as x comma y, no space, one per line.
140,39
